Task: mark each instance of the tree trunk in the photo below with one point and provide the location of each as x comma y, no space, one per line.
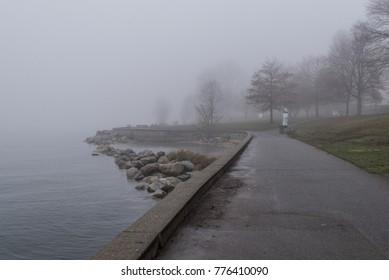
316,103
271,115
359,104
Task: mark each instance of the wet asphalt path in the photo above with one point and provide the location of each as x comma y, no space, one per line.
284,199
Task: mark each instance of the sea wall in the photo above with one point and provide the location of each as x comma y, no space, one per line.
144,237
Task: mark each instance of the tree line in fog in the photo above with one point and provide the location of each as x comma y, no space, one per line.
353,72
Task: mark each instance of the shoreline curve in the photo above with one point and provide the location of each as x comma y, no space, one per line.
143,238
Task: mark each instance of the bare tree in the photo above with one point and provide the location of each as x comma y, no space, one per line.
378,19
311,73
210,97
270,86
358,63
342,65
377,26
369,65
232,81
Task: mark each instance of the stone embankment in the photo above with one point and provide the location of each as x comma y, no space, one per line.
143,238
158,173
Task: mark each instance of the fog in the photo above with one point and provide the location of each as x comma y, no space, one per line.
94,64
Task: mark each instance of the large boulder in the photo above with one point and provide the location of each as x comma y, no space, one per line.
129,164
150,169
188,165
148,159
132,172
150,179
172,169
169,183
155,186
163,160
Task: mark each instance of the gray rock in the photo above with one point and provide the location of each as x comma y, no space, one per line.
160,154
139,176
184,177
172,169
155,186
132,172
148,159
172,181
159,194
146,153
142,187
137,164
169,183
125,157
163,160
159,175
129,164
150,179
150,169
188,165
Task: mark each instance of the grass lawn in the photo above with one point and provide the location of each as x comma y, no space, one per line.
233,126
363,140
246,125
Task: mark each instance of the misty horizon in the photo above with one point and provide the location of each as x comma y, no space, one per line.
100,64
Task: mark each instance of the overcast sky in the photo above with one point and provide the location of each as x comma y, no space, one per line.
99,64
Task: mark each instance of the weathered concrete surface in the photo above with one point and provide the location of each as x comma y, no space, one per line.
145,236
284,199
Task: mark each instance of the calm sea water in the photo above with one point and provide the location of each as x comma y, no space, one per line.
59,202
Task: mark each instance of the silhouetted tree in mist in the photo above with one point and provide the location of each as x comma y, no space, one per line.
342,65
311,75
369,65
210,97
378,24
270,86
358,64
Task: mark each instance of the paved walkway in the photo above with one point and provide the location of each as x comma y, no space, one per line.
284,199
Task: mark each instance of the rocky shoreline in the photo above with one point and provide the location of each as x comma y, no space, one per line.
158,173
